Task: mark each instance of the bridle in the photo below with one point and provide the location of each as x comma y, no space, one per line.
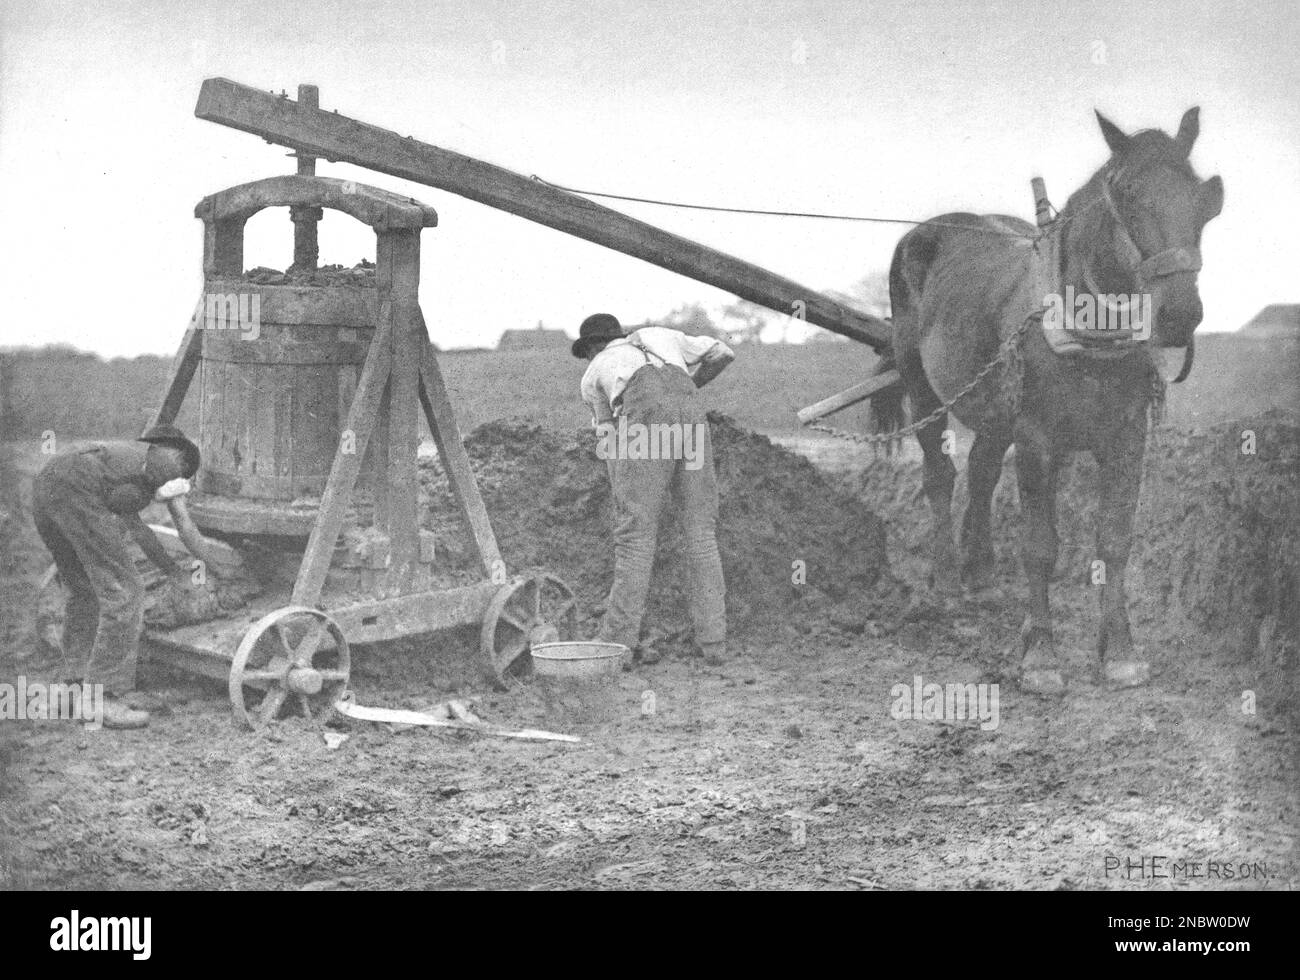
1145,270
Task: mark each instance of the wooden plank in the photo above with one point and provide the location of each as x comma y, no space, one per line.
454,459
262,397
415,614
849,396
282,427
343,473
398,256
181,372
338,138
287,352
376,466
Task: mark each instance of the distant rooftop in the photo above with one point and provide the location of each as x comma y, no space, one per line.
539,337
1275,319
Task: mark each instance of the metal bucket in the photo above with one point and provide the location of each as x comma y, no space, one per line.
577,660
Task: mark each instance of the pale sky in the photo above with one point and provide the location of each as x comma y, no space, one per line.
905,108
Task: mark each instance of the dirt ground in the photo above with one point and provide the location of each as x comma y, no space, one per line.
783,768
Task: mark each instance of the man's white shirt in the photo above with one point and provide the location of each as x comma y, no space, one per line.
610,370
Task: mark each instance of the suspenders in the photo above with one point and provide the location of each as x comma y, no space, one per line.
617,404
643,349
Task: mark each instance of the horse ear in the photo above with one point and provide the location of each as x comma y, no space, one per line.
1210,198
1115,138
1188,129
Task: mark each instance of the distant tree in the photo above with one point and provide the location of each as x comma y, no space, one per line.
744,322
693,319
870,294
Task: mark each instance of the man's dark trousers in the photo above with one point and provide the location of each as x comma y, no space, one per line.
643,487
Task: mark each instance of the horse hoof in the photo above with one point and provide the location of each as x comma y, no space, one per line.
986,597
946,586
928,606
1041,681
1120,674
977,576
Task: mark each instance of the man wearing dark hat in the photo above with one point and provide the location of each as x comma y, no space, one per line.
86,502
642,386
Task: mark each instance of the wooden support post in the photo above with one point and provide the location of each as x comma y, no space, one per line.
454,459
398,270
306,245
377,464
343,473
182,370
1042,206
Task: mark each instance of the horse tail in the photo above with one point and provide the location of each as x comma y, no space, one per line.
887,412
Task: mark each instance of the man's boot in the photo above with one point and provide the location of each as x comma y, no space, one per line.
119,715
715,654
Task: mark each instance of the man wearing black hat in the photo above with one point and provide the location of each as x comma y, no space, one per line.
86,502
644,384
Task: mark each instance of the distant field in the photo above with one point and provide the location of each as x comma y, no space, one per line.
1234,377
83,396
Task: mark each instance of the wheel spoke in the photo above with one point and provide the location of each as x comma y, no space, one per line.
310,644
261,675
270,705
508,655
278,629
505,617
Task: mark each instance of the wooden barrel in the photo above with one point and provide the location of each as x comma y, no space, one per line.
278,369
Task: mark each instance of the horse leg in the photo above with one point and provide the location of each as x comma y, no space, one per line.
938,477
1040,671
1119,467
983,470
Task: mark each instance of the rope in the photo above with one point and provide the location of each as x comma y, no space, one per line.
789,214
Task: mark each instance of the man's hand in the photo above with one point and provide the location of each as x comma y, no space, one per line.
151,546
713,364
178,487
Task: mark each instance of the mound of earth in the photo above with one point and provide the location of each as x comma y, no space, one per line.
1216,538
549,499
361,274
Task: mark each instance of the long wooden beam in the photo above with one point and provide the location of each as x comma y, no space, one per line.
314,132
850,396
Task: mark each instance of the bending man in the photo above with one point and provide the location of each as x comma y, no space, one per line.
654,435
86,502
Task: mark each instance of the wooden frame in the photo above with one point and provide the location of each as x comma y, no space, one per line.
311,131
400,379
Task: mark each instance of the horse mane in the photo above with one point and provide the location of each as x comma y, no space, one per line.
1146,149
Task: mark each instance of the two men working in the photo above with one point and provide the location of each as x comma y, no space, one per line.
87,503
649,378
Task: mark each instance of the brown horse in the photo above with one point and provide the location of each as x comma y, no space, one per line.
962,284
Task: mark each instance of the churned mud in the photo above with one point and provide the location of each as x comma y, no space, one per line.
788,766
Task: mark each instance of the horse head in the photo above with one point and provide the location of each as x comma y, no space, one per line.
1155,208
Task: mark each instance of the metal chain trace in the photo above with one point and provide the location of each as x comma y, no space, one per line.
1008,353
